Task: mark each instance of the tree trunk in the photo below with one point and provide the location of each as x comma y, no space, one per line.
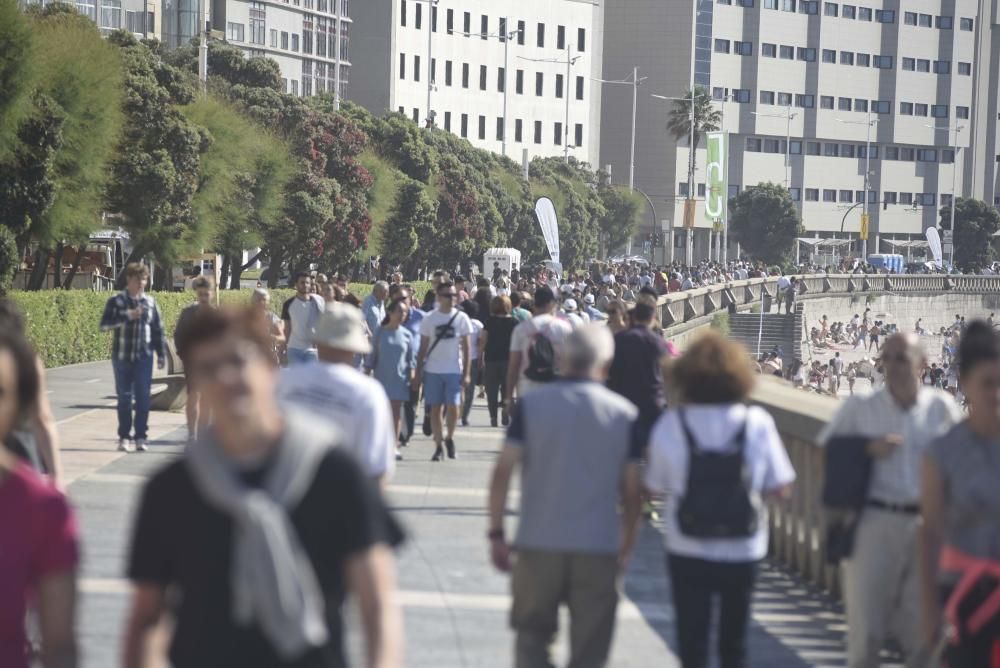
41,270
57,266
251,261
274,270
161,277
68,283
236,274
224,271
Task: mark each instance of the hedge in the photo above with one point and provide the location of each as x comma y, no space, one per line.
64,325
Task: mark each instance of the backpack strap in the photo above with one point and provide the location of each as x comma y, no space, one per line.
739,438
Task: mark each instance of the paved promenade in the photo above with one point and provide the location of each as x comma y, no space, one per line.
455,604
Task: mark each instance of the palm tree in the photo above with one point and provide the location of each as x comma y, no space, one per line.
706,119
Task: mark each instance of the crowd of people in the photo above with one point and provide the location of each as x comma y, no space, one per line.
275,514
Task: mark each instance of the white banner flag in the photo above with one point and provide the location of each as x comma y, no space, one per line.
934,241
546,213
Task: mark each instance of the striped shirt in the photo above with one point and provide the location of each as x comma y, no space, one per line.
134,338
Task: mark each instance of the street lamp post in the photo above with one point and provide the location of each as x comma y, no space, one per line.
431,4
570,61
788,116
954,170
505,37
867,180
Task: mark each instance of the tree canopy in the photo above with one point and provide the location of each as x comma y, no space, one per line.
764,220
975,224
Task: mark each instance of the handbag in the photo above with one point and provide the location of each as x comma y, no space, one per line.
846,480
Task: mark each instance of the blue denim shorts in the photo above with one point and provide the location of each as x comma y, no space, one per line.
443,389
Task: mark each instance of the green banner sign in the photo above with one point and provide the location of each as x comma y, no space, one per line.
717,178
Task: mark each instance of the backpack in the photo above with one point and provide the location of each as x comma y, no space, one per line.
718,501
541,359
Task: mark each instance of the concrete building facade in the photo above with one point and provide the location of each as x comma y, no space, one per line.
822,80
546,54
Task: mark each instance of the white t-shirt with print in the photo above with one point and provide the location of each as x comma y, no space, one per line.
355,403
447,354
714,427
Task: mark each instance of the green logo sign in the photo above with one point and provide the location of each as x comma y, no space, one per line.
717,178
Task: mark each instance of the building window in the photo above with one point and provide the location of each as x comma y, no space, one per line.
965,69
466,23
829,56
831,150
465,125
447,73
518,128
274,38
882,62
558,133
826,102
788,5
795,194
722,46
847,151
560,37
773,146
482,127
846,196
234,33
766,97
864,14
939,111
503,29
447,121
416,115
942,66
578,135
520,33
465,75
944,22
926,155
812,148
909,64
863,60
402,13
924,20
581,39
786,52
906,198
540,38
519,82
919,109
418,19
768,50
910,18
885,16
961,112
416,66
947,156
434,18
860,105
539,83
111,16
849,12
812,194
682,188
741,95
882,106
829,195
928,199
923,65
846,57
889,197
295,42
579,88
449,21
966,23
753,145
718,93
808,55
906,154
484,26
785,99
892,153
500,128
906,108
559,86
831,9
805,101
482,77
844,104
538,132
501,80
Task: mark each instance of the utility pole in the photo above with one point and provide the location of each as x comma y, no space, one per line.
338,26
865,215
202,46
569,62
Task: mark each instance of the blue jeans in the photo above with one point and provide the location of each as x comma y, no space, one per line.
299,356
132,382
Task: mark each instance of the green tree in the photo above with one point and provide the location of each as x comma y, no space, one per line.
15,71
622,216
975,224
409,228
706,118
9,259
764,220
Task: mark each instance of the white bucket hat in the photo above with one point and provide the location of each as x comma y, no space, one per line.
341,326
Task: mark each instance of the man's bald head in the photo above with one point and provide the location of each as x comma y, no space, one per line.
903,360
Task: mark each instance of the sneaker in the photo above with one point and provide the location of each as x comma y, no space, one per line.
124,445
140,445
449,445
399,455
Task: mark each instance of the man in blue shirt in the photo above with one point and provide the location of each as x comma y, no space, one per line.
404,293
134,319
373,307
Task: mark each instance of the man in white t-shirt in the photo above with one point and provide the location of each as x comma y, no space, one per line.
544,323
335,391
784,283
300,314
444,365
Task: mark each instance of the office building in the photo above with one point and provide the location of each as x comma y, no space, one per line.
814,83
139,17
461,48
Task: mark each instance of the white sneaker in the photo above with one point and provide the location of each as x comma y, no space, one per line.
124,445
140,445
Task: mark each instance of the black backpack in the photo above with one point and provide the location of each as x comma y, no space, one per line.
541,360
718,501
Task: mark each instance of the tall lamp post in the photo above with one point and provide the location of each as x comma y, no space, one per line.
570,61
868,157
432,4
505,37
954,170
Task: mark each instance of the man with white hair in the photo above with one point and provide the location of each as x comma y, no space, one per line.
573,440
373,307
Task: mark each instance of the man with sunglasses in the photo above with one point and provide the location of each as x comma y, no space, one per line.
443,365
880,578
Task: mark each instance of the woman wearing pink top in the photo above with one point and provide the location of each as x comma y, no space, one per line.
38,541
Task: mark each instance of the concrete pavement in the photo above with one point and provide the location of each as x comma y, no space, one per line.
455,604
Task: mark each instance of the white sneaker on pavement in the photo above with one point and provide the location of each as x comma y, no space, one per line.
124,445
140,445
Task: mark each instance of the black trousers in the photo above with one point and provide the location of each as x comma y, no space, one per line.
495,379
409,416
695,583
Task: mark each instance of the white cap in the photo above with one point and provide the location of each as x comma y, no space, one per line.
569,305
588,299
341,326
566,287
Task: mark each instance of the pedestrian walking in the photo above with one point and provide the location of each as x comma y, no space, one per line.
333,390
571,438
494,344
38,534
196,418
137,334
715,460
255,537
836,371
269,322
960,503
880,577
636,372
392,361
300,313
443,366
535,344
471,309
412,323
373,306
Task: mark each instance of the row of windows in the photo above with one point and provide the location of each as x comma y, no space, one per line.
806,101
484,77
837,150
854,12
936,110
841,196
323,5
463,129
318,35
503,27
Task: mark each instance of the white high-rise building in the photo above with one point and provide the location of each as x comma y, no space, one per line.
815,83
547,68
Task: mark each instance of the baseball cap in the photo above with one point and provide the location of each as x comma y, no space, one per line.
341,326
569,305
